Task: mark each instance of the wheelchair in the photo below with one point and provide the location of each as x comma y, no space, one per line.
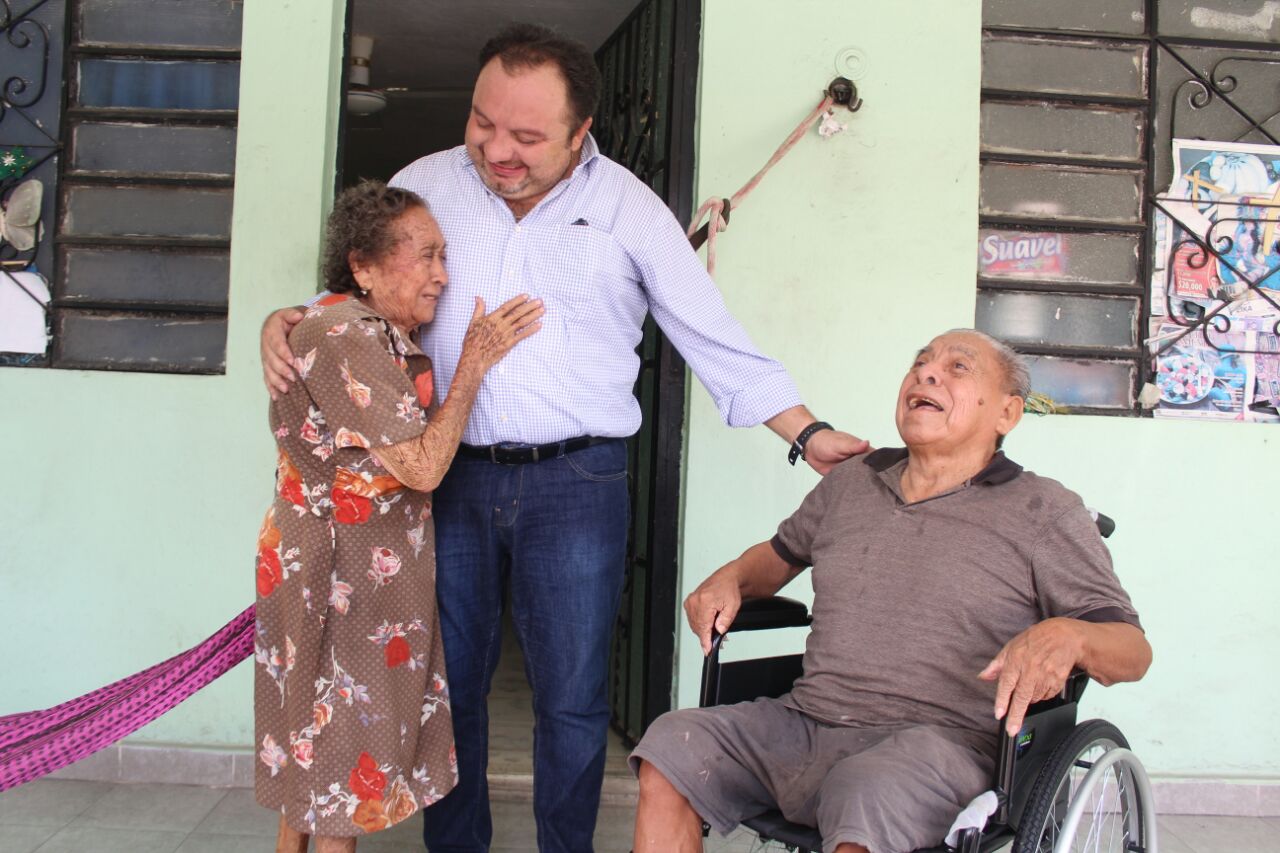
1060,785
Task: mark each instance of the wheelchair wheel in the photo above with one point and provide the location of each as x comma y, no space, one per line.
1114,817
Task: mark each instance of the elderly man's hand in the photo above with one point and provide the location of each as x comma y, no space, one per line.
277,358
828,447
1032,667
715,604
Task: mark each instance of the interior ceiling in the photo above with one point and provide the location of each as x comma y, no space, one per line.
432,44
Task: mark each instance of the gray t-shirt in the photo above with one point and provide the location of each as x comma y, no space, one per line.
912,600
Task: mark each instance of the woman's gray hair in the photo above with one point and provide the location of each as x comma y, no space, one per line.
1014,366
361,222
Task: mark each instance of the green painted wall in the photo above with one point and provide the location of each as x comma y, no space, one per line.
853,253
127,531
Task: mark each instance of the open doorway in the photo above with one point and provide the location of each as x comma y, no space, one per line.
409,94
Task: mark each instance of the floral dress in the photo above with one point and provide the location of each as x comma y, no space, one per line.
350,699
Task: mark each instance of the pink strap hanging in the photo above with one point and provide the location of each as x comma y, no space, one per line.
713,208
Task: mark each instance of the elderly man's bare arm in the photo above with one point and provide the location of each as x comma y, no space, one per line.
274,348
1034,665
758,573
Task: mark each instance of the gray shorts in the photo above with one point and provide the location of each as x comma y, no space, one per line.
892,790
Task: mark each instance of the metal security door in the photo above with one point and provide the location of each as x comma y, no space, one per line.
645,122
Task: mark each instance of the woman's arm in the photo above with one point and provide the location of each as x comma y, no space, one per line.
420,463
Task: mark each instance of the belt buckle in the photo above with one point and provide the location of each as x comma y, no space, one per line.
493,453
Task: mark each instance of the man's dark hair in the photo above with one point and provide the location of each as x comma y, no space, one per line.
362,221
524,46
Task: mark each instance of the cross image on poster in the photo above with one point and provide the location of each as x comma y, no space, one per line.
1222,231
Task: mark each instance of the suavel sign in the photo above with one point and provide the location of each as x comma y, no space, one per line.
1022,255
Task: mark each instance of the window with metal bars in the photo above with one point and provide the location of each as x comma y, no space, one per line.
120,115
1080,104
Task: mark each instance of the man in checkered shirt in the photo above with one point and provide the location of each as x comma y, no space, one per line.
537,496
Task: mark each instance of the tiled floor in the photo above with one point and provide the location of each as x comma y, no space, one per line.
65,816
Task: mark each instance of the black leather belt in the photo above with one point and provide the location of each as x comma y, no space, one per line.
506,455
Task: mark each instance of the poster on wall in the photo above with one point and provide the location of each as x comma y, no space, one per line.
24,292
1266,393
24,299
1197,380
1216,270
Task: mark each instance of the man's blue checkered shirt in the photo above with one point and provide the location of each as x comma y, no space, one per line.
600,250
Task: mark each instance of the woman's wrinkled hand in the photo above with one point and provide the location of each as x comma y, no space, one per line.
491,336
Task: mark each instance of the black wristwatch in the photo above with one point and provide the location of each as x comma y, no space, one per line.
797,446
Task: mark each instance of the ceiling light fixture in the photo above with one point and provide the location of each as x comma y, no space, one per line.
362,99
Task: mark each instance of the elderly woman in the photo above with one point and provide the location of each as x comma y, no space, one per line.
351,697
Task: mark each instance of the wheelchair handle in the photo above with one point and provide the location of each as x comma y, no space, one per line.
1106,524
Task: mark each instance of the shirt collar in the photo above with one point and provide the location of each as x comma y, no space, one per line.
1001,469
590,150
346,308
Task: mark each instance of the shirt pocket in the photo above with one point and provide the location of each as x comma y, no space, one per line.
578,268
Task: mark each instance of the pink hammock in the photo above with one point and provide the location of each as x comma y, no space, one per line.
38,742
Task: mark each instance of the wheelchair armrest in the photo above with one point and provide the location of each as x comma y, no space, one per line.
758,614
775,674
1072,690
1077,681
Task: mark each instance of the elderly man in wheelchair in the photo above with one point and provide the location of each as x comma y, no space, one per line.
952,589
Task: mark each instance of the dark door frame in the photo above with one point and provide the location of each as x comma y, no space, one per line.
670,414
646,122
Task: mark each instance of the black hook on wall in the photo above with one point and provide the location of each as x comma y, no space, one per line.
844,93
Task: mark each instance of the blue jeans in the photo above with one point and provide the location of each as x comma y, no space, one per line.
557,530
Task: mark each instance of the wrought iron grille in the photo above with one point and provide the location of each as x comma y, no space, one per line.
1217,100
645,122
1132,75
631,122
